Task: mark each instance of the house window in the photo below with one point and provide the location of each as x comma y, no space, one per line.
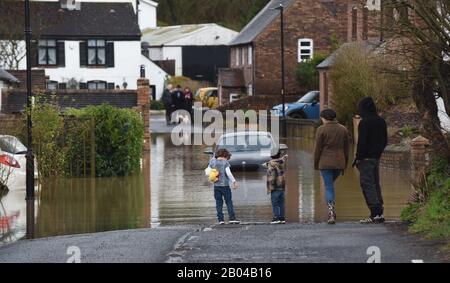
47,52
51,85
250,90
97,85
305,49
354,23
96,52
238,55
250,55
243,56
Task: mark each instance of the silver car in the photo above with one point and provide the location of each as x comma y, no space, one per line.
249,150
13,163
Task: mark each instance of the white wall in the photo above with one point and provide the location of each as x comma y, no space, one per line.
127,65
445,119
147,15
127,62
156,75
156,53
174,53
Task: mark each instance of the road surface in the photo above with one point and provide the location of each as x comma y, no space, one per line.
252,243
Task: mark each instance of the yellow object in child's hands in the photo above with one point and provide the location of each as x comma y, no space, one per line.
214,175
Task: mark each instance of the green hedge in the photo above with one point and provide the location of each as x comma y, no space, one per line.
119,138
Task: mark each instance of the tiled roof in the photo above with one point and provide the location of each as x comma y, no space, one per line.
94,19
5,76
259,23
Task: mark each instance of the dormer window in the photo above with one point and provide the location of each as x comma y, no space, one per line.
96,52
47,55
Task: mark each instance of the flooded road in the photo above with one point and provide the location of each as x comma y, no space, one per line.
172,190
181,193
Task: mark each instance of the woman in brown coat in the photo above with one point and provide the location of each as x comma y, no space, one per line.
331,156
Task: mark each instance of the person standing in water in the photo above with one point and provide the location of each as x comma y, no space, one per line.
331,156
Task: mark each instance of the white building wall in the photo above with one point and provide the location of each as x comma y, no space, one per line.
156,53
445,119
147,14
127,62
174,53
156,75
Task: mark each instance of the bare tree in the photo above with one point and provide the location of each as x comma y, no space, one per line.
419,36
12,31
12,49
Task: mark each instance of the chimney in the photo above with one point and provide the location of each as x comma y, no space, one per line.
70,5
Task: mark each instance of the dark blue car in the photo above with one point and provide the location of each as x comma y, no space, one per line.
308,107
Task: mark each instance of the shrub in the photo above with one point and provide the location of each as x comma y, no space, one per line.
47,130
119,137
358,72
431,214
156,105
307,74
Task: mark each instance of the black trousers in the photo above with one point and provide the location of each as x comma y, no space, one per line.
370,184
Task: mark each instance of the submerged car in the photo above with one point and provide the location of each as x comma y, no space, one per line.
249,150
13,163
308,107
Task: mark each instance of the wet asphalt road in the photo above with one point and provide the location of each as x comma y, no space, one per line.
292,243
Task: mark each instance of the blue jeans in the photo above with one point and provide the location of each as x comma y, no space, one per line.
278,205
221,194
329,178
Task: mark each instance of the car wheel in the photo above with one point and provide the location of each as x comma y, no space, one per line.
298,115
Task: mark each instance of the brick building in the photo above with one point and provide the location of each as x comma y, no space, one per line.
311,27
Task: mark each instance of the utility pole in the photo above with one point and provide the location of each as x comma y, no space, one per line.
30,197
283,81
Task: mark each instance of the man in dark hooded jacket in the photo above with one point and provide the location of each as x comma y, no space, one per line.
372,141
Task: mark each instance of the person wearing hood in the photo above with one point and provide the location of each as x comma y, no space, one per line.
331,155
276,186
372,141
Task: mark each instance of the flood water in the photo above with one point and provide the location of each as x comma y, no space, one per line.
172,190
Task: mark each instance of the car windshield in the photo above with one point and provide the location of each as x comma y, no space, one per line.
310,97
12,145
242,143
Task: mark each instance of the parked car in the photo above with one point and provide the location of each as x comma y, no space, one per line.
13,162
209,97
250,150
308,107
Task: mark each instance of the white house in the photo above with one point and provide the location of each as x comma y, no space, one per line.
92,45
198,50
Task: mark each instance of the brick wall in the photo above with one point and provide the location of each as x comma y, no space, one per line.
14,101
257,102
38,78
303,19
396,157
